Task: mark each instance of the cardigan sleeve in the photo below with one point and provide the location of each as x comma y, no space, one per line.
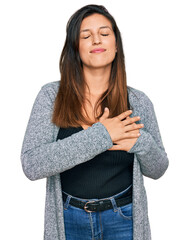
149,147
42,156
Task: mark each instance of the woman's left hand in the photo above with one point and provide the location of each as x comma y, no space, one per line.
127,143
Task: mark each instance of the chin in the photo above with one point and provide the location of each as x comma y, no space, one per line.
98,64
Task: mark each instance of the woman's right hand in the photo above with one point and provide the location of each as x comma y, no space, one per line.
119,129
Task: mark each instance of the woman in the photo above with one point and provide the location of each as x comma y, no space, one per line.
83,138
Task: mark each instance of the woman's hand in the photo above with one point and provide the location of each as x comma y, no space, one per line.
125,144
123,133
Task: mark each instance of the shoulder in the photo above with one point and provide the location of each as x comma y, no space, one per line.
49,91
140,104
47,95
138,98
51,87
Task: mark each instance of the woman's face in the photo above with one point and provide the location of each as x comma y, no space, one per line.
97,43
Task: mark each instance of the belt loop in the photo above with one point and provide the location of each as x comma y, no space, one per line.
66,204
114,204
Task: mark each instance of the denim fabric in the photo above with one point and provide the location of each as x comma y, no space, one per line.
112,224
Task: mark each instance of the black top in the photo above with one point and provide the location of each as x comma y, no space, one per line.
105,175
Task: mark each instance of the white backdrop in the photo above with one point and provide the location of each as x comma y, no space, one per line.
155,37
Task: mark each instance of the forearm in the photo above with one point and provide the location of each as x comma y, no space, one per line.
153,158
48,159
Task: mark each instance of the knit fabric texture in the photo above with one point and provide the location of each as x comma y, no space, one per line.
44,157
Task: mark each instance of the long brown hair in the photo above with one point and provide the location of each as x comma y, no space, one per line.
70,98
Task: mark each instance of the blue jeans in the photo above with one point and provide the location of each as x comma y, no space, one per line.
112,224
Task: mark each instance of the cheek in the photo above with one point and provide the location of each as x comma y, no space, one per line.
83,51
112,49
112,44
111,55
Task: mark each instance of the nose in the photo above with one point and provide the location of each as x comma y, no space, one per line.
96,39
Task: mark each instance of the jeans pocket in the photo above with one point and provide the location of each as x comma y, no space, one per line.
126,211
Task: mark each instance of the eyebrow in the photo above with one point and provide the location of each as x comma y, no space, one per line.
86,30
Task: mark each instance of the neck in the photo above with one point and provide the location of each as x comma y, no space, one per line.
97,80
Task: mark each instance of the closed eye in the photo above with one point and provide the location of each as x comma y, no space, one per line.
86,37
103,34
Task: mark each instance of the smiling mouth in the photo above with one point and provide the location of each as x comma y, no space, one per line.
98,50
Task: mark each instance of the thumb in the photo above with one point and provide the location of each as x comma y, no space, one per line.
105,114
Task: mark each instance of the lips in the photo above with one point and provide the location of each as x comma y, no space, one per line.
98,50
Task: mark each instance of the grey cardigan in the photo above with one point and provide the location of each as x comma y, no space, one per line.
44,157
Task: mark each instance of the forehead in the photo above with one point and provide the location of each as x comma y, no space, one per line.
95,21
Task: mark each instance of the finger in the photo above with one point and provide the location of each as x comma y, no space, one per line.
131,134
133,127
105,114
132,120
124,114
